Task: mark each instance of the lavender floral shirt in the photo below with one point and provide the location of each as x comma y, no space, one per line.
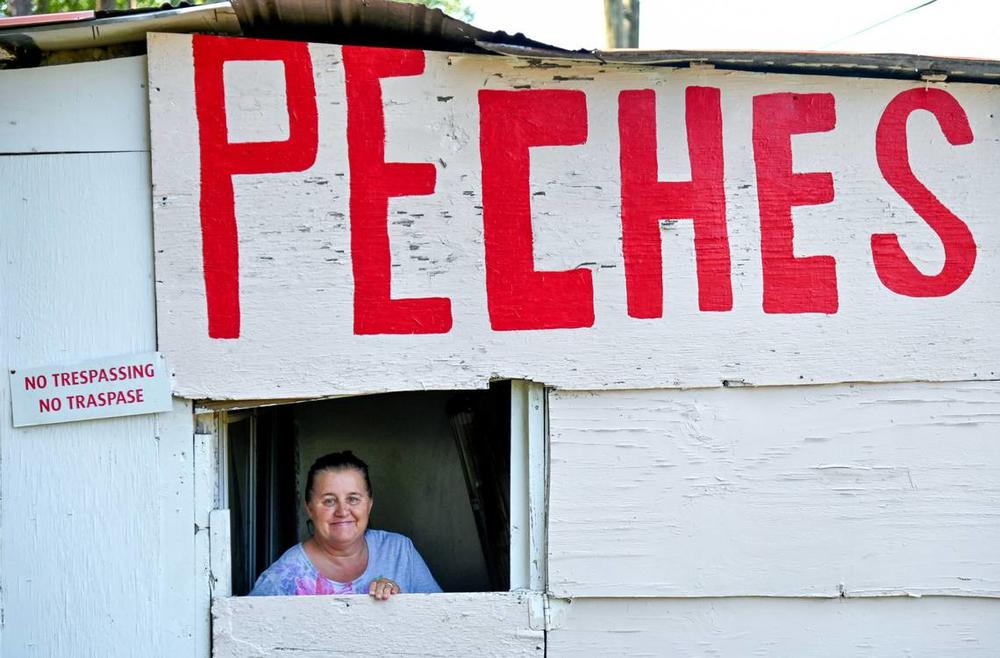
389,554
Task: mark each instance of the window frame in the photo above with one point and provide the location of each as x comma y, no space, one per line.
528,486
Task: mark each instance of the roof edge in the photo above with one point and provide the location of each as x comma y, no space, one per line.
861,65
393,24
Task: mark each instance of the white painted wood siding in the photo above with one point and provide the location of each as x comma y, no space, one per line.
495,624
930,627
86,108
787,491
97,554
295,260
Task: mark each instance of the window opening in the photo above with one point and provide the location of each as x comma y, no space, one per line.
481,428
260,491
441,474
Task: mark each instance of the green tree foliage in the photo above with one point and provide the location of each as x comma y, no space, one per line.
454,8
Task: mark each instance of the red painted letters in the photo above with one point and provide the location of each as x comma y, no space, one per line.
221,160
646,201
511,122
373,182
518,296
791,284
894,268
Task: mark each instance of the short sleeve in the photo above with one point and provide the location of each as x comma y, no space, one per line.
280,578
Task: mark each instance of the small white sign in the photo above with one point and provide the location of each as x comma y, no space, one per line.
103,388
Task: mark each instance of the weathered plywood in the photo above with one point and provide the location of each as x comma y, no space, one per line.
184,607
528,500
917,628
489,624
88,107
292,318
96,518
790,491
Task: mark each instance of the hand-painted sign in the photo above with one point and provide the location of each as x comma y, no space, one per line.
343,219
103,388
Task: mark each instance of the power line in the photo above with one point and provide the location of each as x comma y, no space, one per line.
882,22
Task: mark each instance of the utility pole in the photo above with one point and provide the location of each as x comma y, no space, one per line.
621,23
20,7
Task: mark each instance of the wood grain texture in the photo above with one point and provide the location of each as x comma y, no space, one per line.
93,556
295,259
930,627
88,107
863,490
488,624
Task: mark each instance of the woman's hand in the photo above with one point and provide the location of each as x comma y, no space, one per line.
382,588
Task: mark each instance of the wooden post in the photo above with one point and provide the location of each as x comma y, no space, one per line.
621,23
20,7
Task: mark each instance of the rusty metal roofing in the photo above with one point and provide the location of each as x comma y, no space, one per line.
121,32
42,19
369,22
393,24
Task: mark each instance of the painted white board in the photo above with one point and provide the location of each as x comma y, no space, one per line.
288,283
930,627
788,491
66,109
96,519
484,624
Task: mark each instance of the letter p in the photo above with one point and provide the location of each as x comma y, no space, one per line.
221,160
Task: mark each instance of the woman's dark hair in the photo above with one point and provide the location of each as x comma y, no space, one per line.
336,461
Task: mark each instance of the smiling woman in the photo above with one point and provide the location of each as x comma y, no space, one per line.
344,556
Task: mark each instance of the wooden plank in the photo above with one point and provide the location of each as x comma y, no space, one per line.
527,486
221,562
537,484
788,491
179,597
89,107
521,527
485,624
296,261
94,514
918,628
205,486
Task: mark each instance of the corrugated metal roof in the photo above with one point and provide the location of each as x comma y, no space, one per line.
369,22
43,19
35,44
400,25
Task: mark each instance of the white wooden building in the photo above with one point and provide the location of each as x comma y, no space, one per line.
739,313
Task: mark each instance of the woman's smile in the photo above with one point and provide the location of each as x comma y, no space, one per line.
339,508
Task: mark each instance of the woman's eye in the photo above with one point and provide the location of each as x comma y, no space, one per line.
353,500
329,502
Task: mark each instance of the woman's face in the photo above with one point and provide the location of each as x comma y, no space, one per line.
339,507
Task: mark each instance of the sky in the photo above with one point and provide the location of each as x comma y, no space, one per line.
951,28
